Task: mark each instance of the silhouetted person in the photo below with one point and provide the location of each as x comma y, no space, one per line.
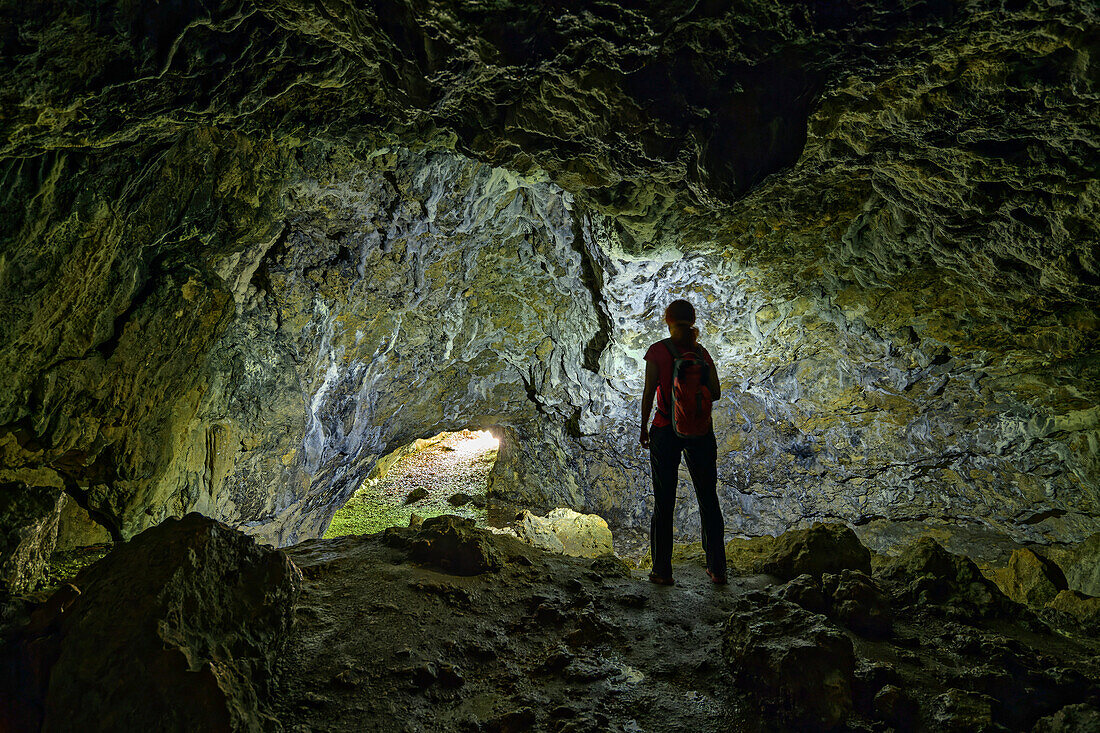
681,374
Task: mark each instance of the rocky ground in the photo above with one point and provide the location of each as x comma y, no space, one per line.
553,643
449,627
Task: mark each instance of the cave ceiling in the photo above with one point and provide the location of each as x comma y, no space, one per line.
215,212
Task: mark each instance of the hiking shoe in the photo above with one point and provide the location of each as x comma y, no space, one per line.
661,580
717,579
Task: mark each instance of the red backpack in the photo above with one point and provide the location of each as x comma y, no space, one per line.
691,399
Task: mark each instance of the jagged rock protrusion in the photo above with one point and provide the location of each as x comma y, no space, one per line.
924,573
456,546
823,548
177,629
28,529
794,658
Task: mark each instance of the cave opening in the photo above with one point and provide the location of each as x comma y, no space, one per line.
447,473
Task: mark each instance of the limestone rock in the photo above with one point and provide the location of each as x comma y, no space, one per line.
856,601
824,548
742,553
582,535
537,532
76,528
28,531
1031,579
610,566
178,628
566,531
1079,718
962,712
1080,563
1085,609
925,573
456,546
793,658
805,591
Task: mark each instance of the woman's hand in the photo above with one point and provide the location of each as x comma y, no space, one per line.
644,437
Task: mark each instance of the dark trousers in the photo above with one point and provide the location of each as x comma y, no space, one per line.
701,454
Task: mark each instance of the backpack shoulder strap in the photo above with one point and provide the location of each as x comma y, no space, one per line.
672,349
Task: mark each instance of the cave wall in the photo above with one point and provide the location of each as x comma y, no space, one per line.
249,247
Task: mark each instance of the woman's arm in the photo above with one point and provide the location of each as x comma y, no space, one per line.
648,391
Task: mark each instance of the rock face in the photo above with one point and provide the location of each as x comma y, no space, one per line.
792,656
178,629
824,548
1080,563
566,531
1031,579
28,528
250,248
1085,609
925,573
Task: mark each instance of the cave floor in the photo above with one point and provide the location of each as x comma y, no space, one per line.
559,643
384,644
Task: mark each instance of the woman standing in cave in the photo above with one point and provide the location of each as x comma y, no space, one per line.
681,374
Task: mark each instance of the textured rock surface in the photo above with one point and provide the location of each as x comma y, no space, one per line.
28,528
1030,579
1080,563
76,528
566,531
453,545
249,247
1071,718
536,531
856,602
178,629
383,640
925,573
1085,609
792,657
824,548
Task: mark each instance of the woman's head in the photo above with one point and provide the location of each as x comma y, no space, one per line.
680,317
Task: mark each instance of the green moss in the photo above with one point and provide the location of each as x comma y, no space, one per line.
65,565
366,514
423,464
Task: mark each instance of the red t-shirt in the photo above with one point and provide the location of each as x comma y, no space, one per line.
660,355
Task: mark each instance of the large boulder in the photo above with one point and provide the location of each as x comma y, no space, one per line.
1084,609
537,532
858,603
177,629
566,531
925,573
823,548
1030,579
1079,718
794,659
455,545
1080,563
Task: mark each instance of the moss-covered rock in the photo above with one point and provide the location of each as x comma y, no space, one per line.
823,548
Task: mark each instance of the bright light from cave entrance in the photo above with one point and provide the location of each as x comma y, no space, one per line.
479,441
445,474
